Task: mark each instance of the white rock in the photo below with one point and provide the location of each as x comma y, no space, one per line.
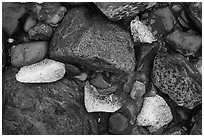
94,102
138,90
140,32
154,113
82,77
45,71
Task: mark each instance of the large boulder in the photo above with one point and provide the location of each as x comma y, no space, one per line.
55,108
82,38
178,78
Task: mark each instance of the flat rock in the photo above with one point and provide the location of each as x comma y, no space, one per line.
178,78
154,113
49,108
92,42
45,71
122,10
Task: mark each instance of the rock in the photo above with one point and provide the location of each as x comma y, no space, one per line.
92,42
11,13
117,123
29,23
161,21
175,131
40,32
54,108
197,124
178,78
155,113
195,13
49,12
82,77
137,130
198,65
185,43
45,71
99,82
4,50
130,79
94,102
72,70
28,53
140,32
122,10
138,90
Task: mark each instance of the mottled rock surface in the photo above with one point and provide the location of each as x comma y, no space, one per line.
55,108
175,76
92,42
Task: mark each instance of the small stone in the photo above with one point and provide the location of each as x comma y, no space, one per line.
94,102
138,90
29,23
198,65
99,82
45,71
117,123
155,113
40,32
140,32
82,77
178,78
185,43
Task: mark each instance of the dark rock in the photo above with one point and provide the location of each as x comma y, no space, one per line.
197,126
40,32
122,10
92,42
195,13
138,130
68,4
178,78
11,13
161,21
55,108
72,70
175,131
183,42
4,50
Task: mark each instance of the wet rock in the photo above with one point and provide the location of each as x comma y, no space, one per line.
141,32
40,32
185,43
92,42
175,131
117,123
155,113
49,12
178,78
11,13
54,108
160,21
95,102
122,10
28,53
195,13
138,90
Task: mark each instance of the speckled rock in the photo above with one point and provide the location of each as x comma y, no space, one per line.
40,32
11,12
92,42
122,10
154,113
183,42
54,108
178,78
138,90
195,13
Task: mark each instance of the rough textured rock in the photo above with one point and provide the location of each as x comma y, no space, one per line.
155,113
4,50
11,12
92,42
195,13
175,131
175,76
55,108
122,10
183,42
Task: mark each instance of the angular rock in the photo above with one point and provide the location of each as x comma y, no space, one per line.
195,13
40,32
45,71
99,81
178,78
138,90
29,23
11,13
94,102
155,113
122,10
185,43
140,32
54,108
92,42
82,77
